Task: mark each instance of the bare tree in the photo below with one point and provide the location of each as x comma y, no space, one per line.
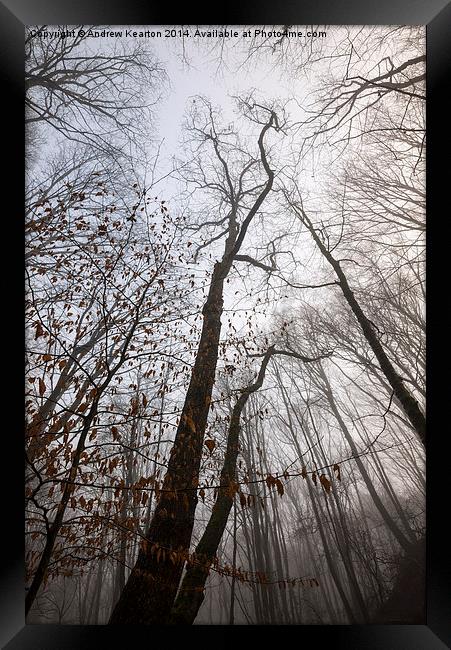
90,95
155,401
408,402
114,315
152,586
191,593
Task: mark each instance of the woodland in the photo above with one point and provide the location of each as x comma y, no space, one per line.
225,328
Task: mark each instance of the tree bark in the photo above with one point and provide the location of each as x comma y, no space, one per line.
153,582
152,586
191,594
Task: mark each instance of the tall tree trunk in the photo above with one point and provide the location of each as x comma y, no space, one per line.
331,562
69,483
152,586
119,574
83,598
191,593
343,537
153,582
93,617
232,589
256,597
407,401
54,528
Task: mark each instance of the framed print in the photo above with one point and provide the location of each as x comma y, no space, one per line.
228,345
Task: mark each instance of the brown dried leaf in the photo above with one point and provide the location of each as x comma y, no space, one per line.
39,330
210,444
325,483
42,387
279,486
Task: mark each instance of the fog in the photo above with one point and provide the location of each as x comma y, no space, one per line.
225,326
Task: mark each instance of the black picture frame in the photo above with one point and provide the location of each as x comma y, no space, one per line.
436,15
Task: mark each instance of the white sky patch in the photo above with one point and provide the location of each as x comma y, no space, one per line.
220,84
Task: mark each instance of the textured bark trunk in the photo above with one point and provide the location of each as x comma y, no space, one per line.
152,586
191,593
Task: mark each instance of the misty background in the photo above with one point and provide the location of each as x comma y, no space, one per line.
282,179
